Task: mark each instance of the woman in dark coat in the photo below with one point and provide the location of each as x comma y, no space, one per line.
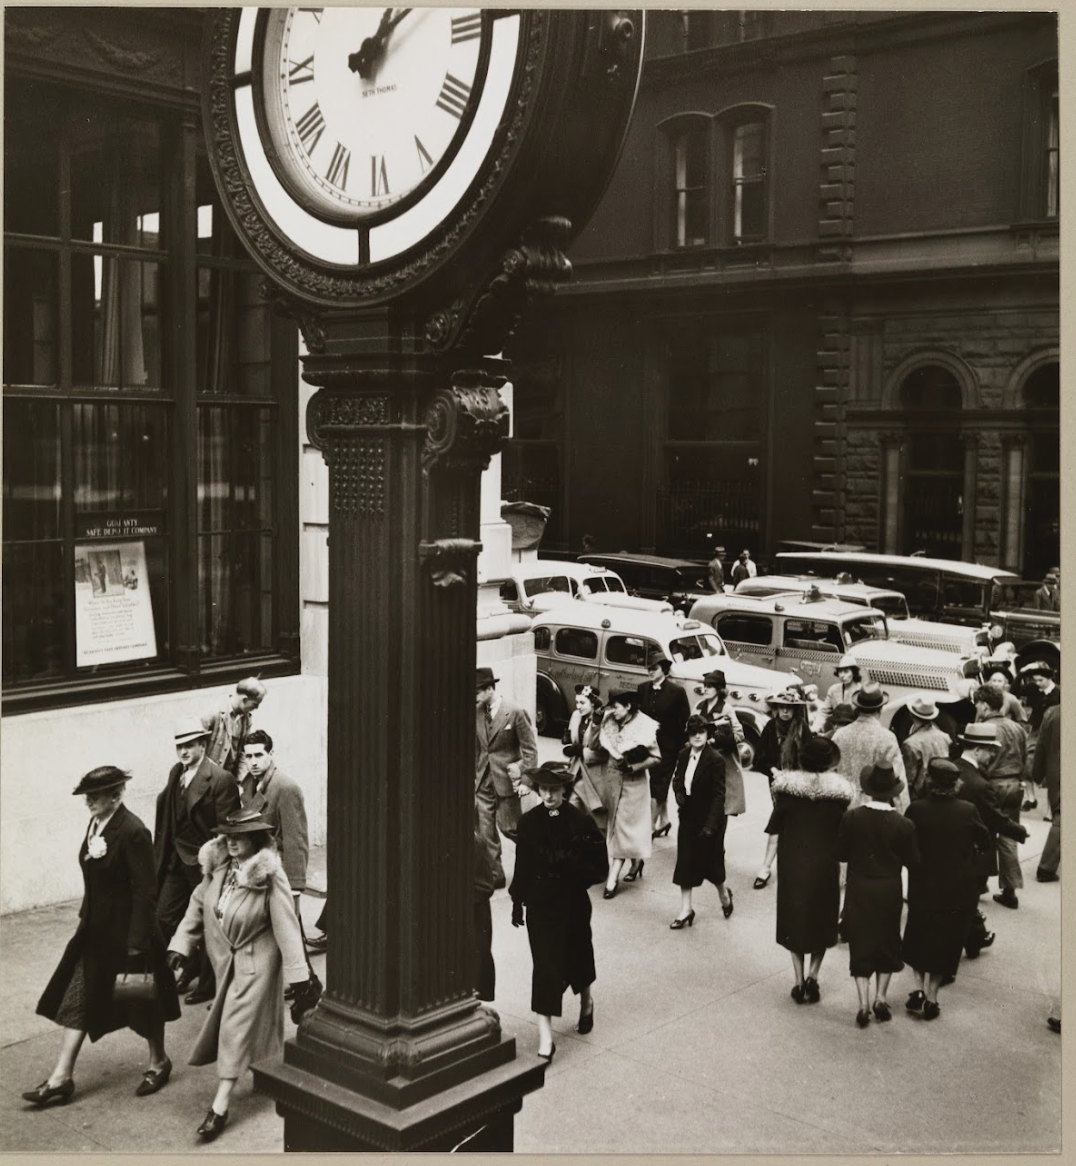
780,742
809,803
699,787
559,853
944,889
117,932
876,842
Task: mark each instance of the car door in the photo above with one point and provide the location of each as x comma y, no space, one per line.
748,636
624,661
574,660
811,648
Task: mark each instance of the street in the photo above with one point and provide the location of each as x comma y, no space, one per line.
696,1047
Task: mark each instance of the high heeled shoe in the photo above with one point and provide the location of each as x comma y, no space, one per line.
726,908
687,921
863,1018
762,881
811,992
662,832
636,872
610,892
882,1011
46,1094
798,994
547,1057
915,1001
213,1124
154,1080
931,1010
586,1022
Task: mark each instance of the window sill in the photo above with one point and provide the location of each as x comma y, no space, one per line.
98,689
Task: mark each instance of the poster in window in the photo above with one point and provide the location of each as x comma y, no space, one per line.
113,612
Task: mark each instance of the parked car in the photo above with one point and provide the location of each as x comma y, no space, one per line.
583,644
677,581
809,637
1021,621
938,589
540,585
904,628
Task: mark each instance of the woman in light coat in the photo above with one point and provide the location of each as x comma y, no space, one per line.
244,911
630,739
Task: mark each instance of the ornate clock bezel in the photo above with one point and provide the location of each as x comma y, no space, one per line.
300,272
343,217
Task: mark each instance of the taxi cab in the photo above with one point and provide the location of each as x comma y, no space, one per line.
808,636
540,585
582,644
904,628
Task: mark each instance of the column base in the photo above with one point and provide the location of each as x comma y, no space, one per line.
475,1115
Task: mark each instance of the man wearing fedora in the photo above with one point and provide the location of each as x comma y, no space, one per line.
979,744
716,569
664,701
197,797
505,745
866,743
924,742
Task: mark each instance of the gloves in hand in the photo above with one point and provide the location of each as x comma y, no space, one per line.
517,914
304,997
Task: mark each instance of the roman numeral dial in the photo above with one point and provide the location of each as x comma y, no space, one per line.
367,107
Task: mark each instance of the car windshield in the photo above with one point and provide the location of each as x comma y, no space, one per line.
1017,596
614,583
696,647
866,627
546,583
894,606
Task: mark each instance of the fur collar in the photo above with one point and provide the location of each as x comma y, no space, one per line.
820,787
255,874
618,739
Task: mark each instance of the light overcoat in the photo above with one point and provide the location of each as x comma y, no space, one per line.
254,950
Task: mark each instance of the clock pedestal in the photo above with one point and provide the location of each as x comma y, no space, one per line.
400,1055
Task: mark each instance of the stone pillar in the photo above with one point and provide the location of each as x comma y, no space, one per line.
889,444
970,442
1013,487
399,1055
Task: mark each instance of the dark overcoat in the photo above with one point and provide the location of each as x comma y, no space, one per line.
558,855
980,792
700,838
669,706
118,913
211,796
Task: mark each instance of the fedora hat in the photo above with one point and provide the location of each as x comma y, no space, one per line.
484,678
245,820
880,781
190,729
104,777
715,679
842,715
923,708
981,733
870,697
817,754
549,773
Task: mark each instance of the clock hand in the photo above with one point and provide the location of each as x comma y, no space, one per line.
373,47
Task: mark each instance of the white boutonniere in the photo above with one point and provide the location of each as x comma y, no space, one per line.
96,847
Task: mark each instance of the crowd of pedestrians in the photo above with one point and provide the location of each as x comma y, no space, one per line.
205,910
857,815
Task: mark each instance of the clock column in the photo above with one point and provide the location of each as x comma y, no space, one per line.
400,1054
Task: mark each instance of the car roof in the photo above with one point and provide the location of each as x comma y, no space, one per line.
784,604
648,560
954,566
801,583
540,568
623,620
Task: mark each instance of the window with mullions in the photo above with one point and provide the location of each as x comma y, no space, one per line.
1041,193
133,410
748,178
691,190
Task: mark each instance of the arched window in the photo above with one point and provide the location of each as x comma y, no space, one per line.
1042,496
933,504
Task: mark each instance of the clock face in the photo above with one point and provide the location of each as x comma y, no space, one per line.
364,107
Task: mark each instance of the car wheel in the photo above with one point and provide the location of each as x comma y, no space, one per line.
544,720
748,748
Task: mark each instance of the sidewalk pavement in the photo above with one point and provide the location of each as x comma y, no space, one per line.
696,1046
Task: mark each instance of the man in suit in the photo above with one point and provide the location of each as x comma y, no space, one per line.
666,702
979,744
1046,772
282,803
197,797
1048,596
505,745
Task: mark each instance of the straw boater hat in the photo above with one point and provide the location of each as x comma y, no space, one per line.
981,733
